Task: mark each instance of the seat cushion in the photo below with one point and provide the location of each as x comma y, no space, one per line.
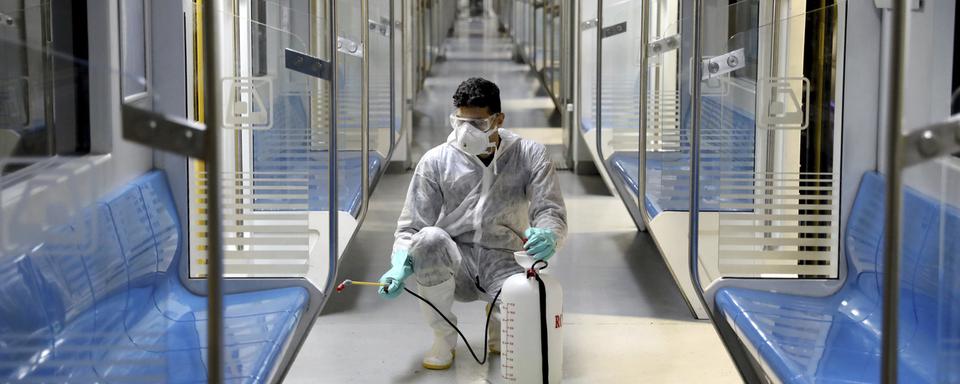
814,339
626,165
161,337
837,338
99,302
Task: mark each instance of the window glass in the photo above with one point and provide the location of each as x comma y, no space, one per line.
133,37
44,107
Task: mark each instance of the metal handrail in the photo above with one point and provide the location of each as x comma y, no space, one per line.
736,352
393,82
894,107
214,204
333,249
696,70
599,87
364,114
644,68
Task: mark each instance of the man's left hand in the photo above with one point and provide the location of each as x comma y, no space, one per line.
541,243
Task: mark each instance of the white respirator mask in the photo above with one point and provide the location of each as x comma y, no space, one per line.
473,135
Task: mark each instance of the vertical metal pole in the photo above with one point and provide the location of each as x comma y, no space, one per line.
211,35
333,250
599,77
732,345
365,110
577,89
393,80
891,279
696,71
567,29
644,72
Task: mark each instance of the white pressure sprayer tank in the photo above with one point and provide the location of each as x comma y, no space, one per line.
531,325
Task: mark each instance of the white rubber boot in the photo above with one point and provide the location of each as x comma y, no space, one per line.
441,353
493,338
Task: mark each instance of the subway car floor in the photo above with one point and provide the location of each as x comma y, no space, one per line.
625,320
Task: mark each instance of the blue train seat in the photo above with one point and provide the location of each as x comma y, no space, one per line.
100,301
291,147
836,339
668,190
626,165
727,152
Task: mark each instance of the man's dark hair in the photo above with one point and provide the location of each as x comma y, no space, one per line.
477,92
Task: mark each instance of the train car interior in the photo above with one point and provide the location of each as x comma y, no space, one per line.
758,191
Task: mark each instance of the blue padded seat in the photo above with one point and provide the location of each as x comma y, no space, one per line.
727,147
671,196
626,166
101,301
291,149
836,339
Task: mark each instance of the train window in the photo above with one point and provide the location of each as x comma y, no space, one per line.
133,43
44,86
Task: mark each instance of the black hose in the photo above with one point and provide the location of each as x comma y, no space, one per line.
486,328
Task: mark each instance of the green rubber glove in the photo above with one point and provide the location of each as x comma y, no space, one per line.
401,270
541,243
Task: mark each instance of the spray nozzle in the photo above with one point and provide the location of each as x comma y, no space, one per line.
347,282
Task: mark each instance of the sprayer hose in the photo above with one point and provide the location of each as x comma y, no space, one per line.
486,328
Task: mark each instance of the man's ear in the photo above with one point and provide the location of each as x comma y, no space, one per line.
500,119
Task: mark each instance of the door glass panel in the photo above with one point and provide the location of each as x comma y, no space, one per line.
667,163
769,177
275,147
620,95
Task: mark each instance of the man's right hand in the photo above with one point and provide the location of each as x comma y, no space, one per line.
401,270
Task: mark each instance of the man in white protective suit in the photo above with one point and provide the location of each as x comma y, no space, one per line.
473,201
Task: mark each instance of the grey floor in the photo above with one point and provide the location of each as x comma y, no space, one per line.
625,320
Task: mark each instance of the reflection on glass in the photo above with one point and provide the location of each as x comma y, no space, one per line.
620,93
44,87
767,132
275,149
929,313
134,37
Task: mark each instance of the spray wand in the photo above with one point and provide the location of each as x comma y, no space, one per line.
347,282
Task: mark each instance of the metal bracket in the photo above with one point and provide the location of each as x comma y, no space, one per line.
385,26
915,5
614,30
7,20
663,45
723,64
306,64
925,144
167,133
349,47
382,27
588,24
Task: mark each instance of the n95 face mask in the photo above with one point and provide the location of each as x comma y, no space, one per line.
473,135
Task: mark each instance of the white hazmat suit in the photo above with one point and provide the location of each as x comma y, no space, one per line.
462,220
